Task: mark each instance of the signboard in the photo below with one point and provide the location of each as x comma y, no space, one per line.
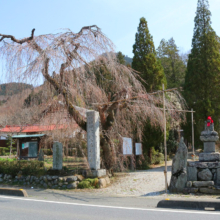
32,150
24,145
127,146
138,148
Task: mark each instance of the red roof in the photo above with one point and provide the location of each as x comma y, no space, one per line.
31,128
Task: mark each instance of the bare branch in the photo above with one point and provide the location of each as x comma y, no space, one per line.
28,39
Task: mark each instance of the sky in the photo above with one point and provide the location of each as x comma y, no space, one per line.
118,19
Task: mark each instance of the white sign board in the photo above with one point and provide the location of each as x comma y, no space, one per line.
138,148
127,146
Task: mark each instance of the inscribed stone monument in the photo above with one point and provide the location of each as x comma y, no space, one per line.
179,172
93,140
41,155
57,156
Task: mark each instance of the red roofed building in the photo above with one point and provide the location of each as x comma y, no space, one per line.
31,128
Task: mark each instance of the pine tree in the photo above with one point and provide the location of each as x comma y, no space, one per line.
121,58
202,81
173,65
145,60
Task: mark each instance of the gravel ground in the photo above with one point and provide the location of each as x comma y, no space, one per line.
140,183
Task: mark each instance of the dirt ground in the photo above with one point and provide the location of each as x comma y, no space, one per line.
149,183
140,183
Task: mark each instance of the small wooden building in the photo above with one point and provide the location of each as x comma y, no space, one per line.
28,145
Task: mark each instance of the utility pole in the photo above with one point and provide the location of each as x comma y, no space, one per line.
192,135
165,139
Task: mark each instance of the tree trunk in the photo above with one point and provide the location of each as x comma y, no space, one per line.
108,156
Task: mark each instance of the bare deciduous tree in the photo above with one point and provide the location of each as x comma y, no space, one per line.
83,68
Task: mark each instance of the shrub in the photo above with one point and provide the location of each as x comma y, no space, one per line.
2,150
142,163
84,184
47,151
157,157
89,183
13,166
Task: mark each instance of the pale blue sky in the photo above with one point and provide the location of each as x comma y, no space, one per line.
118,19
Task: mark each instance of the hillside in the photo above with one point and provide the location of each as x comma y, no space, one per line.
128,60
9,89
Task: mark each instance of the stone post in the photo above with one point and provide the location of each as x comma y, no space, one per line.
57,156
93,139
93,144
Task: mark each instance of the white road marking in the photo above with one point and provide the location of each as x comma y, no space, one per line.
115,207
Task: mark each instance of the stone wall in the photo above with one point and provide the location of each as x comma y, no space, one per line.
203,177
47,181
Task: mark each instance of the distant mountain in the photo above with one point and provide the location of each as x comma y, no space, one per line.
9,89
128,60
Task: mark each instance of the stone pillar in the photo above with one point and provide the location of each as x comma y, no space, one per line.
93,140
57,156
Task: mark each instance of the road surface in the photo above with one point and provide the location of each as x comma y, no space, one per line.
16,208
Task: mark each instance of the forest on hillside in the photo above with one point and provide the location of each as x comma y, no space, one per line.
9,89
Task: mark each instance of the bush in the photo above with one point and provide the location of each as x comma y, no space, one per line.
13,166
47,151
89,183
84,184
2,150
157,157
143,163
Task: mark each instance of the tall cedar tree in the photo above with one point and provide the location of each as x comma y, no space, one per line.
145,60
121,58
173,64
202,81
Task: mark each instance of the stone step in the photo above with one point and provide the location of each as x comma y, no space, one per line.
209,191
199,184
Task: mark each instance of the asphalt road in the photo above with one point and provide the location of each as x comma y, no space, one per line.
17,208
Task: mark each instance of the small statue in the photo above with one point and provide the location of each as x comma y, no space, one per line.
209,134
210,122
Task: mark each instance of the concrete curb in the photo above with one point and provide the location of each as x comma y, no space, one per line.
13,192
188,204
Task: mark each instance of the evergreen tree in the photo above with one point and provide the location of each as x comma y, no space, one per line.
173,65
121,58
145,60
202,81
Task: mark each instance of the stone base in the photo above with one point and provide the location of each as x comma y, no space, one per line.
203,165
209,157
94,173
98,173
